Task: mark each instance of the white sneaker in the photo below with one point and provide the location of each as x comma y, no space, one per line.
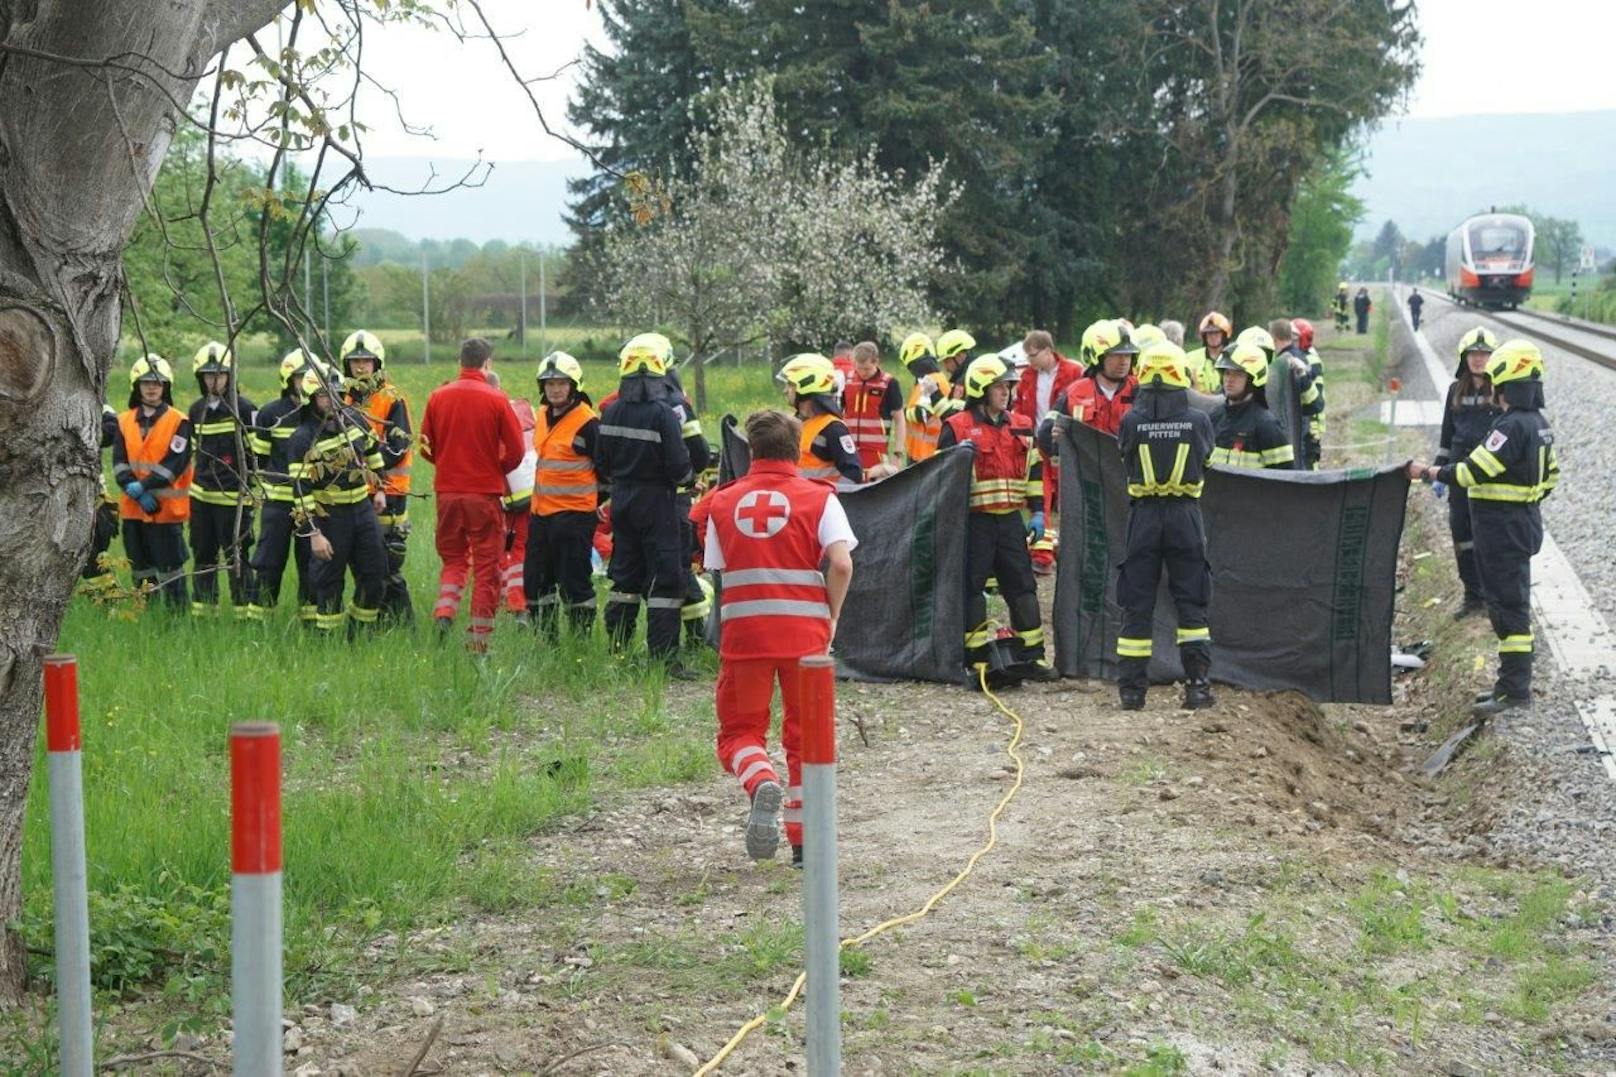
763,823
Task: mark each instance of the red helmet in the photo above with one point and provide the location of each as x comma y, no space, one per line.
1215,321
1304,332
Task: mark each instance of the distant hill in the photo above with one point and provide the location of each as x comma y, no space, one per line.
1429,174
521,200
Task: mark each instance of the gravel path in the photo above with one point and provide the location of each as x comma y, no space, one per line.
1565,809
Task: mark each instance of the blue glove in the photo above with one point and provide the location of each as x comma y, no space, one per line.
1440,489
148,503
134,490
1035,526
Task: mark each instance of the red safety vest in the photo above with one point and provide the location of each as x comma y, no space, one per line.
146,453
861,411
1089,406
999,479
774,603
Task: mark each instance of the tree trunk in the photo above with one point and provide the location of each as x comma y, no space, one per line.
79,144
1223,258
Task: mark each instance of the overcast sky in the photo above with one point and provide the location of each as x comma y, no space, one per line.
1479,56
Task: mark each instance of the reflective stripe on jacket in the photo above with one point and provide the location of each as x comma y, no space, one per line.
565,478
1000,475
145,454
811,466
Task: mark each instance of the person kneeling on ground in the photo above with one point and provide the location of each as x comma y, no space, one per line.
768,534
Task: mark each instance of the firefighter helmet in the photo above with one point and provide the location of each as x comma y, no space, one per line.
985,372
809,373
1216,322
151,367
1258,336
1515,360
1247,358
314,380
954,342
558,366
362,344
1164,364
649,354
211,358
1304,333
1479,339
1145,335
292,362
1105,336
916,346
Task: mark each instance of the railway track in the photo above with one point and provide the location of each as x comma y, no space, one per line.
1533,323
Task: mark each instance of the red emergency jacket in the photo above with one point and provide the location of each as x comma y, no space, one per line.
471,435
774,602
1026,400
1089,406
999,479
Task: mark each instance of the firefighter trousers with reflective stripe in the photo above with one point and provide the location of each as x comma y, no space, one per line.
1464,546
277,534
1163,533
745,687
697,608
1506,537
356,545
647,561
556,574
471,544
217,537
395,524
156,555
996,547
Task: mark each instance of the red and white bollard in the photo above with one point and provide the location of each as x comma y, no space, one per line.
69,878
821,927
255,897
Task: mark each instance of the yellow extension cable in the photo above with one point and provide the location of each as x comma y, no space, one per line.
1012,751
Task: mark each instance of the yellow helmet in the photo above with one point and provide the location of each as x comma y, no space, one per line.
1515,360
985,371
1247,357
1258,336
151,367
916,346
211,358
1478,339
810,373
648,353
362,343
954,342
558,365
291,363
314,380
1106,335
1146,335
1341,287
1164,363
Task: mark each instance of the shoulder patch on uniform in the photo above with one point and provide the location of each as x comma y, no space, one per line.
178,444
1496,440
848,445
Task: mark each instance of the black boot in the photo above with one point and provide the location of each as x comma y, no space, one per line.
1198,694
1470,607
1133,699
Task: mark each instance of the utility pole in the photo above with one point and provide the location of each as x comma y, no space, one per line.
325,289
521,325
426,312
308,289
543,349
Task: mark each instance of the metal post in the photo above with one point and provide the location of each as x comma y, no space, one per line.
543,347
255,897
325,291
426,312
1395,386
68,875
521,325
821,930
308,289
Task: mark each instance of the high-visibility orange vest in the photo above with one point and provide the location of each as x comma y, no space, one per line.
396,479
811,466
564,480
145,456
923,426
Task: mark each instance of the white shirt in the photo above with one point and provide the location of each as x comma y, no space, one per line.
833,528
1046,391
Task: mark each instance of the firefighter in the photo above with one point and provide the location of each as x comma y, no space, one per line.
1105,392
828,451
697,607
1507,476
272,432
1246,433
1309,393
872,404
151,462
565,495
335,469
364,365
1341,306
1165,444
1362,305
918,355
640,452
221,506
996,537
97,576
954,353
1467,416
1216,332
1304,335
770,532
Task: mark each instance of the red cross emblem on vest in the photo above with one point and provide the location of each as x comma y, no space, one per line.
762,513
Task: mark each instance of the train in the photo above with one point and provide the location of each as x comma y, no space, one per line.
1489,261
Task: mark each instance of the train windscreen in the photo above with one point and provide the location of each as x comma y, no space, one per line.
1497,245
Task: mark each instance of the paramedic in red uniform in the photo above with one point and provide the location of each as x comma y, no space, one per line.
769,533
472,437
